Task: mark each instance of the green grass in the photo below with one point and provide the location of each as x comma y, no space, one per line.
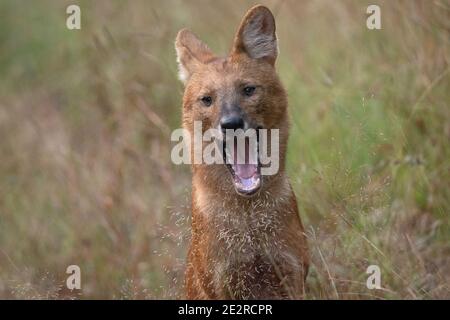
85,121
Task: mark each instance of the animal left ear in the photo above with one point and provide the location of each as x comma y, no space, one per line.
256,35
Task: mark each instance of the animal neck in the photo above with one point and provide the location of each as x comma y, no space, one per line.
213,192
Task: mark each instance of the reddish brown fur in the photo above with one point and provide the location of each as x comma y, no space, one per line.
241,247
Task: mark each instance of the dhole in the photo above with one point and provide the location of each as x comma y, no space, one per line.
247,243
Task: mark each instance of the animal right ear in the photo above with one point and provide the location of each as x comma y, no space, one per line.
191,53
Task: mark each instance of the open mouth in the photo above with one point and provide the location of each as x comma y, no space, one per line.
243,164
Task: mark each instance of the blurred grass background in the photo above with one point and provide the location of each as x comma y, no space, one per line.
85,122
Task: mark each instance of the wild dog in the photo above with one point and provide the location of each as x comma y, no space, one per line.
248,241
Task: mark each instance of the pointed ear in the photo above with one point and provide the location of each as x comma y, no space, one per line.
191,53
256,35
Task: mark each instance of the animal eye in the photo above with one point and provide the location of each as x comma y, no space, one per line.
207,100
249,90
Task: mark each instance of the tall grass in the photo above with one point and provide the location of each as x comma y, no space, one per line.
85,122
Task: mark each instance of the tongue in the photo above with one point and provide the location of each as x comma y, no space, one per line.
245,171
243,167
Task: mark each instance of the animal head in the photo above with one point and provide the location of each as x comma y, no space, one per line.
239,91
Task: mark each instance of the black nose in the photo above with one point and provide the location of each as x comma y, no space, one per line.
231,122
